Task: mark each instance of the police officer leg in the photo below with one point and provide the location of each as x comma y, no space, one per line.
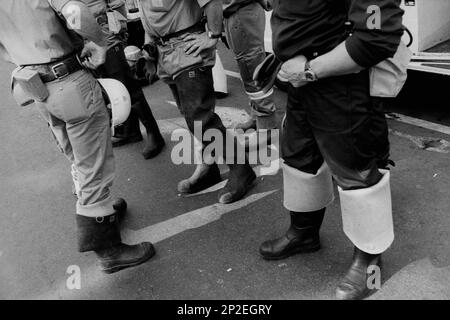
195,93
77,100
353,147
245,35
307,188
155,141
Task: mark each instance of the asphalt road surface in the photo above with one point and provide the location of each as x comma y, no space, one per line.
205,250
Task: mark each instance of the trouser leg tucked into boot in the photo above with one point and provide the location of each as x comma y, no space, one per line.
155,141
367,221
102,235
301,237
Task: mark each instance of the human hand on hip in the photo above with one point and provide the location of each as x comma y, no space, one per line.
196,43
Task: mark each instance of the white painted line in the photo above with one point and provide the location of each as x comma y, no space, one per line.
191,220
419,123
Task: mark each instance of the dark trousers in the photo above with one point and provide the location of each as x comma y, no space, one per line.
116,67
336,120
193,91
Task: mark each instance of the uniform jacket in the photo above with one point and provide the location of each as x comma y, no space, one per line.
314,27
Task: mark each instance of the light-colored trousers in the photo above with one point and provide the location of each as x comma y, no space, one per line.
76,113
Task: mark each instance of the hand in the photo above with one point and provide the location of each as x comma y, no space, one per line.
266,4
196,43
293,70
93,54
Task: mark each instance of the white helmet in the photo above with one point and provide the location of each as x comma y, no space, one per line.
119,100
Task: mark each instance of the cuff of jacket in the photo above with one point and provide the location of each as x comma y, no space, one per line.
363,53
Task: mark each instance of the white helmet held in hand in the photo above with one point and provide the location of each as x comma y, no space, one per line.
119,100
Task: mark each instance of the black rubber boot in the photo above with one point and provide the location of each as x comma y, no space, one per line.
240,181
124,256
102,235
155,141
205,176
120,206
301,237
128,132
354,286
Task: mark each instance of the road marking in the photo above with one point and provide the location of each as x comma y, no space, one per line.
419,123
191,220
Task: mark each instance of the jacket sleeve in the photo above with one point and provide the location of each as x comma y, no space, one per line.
370,44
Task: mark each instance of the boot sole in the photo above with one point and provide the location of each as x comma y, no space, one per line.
117,268
292,252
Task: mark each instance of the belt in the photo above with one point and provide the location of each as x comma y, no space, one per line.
58,70
199,26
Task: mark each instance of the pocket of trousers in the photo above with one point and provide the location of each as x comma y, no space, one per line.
175,60
75,100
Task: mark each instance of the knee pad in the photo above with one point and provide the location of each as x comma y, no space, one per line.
304,192
367,216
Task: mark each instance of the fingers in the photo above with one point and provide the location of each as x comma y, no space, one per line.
198,51
84,53
90,64
191,47
189,37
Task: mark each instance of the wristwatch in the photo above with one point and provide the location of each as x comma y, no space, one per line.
309,74
214,35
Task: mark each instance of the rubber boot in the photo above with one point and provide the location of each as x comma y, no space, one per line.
240,181
120,206
102,235
155,141
355,286
205,176
301,237
128,132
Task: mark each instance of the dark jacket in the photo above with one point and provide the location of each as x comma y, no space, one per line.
315,27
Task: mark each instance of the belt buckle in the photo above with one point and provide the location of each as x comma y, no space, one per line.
55,71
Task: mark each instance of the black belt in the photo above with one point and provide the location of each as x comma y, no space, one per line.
199,26
58,70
